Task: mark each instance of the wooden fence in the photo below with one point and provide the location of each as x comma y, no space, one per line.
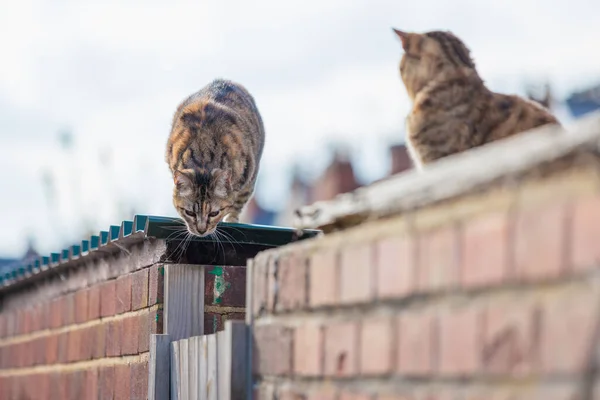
206,367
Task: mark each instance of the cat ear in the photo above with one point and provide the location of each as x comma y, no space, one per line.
184,183
403,37
221,182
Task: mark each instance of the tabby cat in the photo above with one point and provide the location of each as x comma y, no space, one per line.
214,150
452,109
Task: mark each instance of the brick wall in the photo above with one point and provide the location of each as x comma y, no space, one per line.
224,296
84,336
490,296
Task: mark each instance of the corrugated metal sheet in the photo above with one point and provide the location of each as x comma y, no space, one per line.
118,237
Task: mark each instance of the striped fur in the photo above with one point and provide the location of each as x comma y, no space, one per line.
214,150
453,110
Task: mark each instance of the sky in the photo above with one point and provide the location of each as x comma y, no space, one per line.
322,72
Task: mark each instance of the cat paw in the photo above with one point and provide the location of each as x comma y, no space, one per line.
231,218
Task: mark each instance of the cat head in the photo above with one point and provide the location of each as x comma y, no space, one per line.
202,198
430,56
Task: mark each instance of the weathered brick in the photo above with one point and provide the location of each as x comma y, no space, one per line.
156,285
485,250
324,393
113,338
11,323
56,313
511,339
122,382
272,350
2,326
51,348
87,342
69,309
74,345
40,350
225,286
77,385
376,346
123,294
568,327
63,347
290,394
81,306
58,386
438,259
213,322
130,335
108,298
356,282
44,315
308,350
139,289
396,274
91,383
292,277
93,303
99,349
341,349
106,382
354,395
272,291
259,286
139,381
459,341
540,239
585,251
323,278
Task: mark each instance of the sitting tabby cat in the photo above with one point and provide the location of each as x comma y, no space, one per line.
452,109
213,152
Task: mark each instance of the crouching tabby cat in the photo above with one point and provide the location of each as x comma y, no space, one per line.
452,109
213,152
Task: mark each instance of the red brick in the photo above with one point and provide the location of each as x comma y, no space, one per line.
108,299
292,283
233,293
91,383
341,352
81,306
325,393
56,313
396,275
234,317
376,346
2,326
144,323
44,315
272,350
87,343
51,348
93,303
123,294
585,248
511,339
63,347
290,394
139,381
139,289
58,386
129,335
459,342
356,282
156,286
439,259
122,382
213,322
485,250
113,338
40,351
28,323
106,382
540,242
568,329
77,385
69,309
74,349
99,349
323,278
308,350
38,321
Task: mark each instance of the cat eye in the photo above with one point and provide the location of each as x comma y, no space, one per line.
214,213
190,213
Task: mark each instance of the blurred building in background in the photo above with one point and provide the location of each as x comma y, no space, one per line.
584,101
9,264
